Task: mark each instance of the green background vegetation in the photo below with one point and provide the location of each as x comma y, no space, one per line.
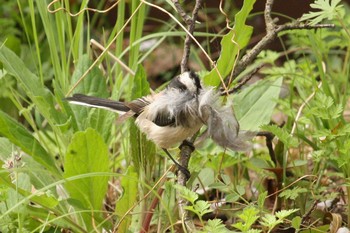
69,168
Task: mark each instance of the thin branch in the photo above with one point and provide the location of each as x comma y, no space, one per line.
186,148
182,12
242,82
272,31
267,15
267,39
185,155
116,59
191,22
188,39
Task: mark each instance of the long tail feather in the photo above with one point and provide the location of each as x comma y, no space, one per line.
96,102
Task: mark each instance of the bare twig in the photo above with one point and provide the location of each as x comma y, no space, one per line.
267,15
182,13
186,149
188,40
242,82
120,62
191,22
272,31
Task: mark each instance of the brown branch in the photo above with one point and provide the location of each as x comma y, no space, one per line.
242,82
267,15
186,148
186,18
188,39
191,22
272,31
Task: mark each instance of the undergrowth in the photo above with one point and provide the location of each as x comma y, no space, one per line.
72,169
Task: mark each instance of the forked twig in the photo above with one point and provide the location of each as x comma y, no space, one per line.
272,31
186,150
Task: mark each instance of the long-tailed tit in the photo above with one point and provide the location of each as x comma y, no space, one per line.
177,113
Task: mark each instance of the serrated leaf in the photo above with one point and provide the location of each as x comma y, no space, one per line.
293,193
255,104
282,214
329,9
202,207
231,44
87,153
187,194
269,220
248,217
215,225
282,135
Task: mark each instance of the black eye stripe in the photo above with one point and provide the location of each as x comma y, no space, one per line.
175,83
197,82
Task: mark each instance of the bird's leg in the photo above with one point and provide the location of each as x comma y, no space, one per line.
179,166
187,143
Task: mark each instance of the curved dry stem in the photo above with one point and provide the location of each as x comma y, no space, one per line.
79,12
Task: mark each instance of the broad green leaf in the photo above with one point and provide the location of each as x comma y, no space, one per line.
129,184
22,138
31,84
142,150
94,84
296,222
87,153
231,44
255,104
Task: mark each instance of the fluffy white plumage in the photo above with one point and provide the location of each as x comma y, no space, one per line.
179,111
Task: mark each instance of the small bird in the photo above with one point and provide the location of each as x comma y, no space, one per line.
177,113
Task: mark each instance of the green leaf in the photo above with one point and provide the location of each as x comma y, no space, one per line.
296,222
248,217
329,9
87,153
270,221
215,225
285,213
22,138
293,193
94,84
187,194
202,207
43,199
142,150
255,104
127,200
31,84
231,44
282,135
261,200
